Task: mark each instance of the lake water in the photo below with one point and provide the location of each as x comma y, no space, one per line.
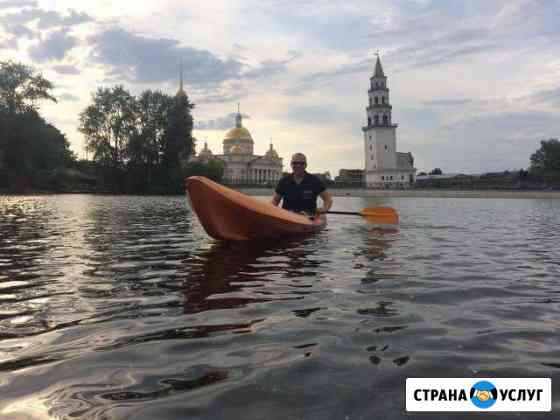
122,307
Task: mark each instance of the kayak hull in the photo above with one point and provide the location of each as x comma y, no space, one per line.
230,215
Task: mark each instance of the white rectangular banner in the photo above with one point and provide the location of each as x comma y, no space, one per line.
478,394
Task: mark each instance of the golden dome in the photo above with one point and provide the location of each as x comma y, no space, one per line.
238,133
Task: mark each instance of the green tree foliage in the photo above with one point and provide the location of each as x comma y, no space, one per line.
545,162
179,142
29,146
436,171
213,169
20,88
108,125
139,144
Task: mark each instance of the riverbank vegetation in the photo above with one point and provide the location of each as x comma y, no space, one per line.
138,144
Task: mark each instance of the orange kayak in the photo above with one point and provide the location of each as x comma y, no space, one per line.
231,215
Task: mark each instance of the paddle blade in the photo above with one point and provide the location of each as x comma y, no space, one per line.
381,215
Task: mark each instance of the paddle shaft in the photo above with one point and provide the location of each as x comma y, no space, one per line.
352,213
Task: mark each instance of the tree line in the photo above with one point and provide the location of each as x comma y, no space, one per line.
137,144
543,173
30,147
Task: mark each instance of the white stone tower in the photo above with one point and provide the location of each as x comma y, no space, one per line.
380,139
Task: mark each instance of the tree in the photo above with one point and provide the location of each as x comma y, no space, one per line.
108,125
179,142
20,88
436,171
147,146
545,162
213,169
28,144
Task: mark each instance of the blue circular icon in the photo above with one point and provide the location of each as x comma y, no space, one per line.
484,394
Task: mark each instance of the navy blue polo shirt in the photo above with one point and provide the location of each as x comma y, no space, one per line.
300,197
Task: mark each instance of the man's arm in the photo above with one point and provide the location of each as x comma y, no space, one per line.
276,198
327,202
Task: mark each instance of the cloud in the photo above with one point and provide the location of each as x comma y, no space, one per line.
46,19
447,102
7,4
66,69
141,59
222,123
54,47
20,31
68,97
340,26
317,114
548,96
270,67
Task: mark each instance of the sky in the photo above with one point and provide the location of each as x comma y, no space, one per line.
474,85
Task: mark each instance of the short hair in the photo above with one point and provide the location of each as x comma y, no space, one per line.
299,155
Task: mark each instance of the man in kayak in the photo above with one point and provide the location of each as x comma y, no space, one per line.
299,190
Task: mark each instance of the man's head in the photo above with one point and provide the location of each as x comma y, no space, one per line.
298,163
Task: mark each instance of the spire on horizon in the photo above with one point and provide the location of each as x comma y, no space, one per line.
238,117
378,68
181,91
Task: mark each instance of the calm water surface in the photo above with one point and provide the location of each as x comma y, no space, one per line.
122,307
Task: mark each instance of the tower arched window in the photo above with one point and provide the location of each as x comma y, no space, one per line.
385,120
376,100
376,120
368,121
383,99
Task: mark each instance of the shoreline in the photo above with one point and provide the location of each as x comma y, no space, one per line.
421,193
356,192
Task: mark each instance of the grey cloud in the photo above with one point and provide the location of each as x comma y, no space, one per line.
510,125
548,96
317,114
46,19
215,97
20,31
447,102
6,4
66,69
270,67
222,123
340,27
54,47
141,59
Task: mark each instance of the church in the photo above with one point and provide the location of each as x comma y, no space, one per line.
241,165
384,166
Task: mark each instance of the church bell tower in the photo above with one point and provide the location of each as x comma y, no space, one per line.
379,133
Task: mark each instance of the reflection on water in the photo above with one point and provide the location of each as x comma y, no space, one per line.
115,307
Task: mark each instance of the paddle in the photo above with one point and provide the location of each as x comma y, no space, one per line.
382,214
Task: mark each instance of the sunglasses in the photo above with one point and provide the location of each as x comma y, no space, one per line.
298,163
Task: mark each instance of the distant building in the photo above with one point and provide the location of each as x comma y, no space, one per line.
325,177
384,166
350,177
241,165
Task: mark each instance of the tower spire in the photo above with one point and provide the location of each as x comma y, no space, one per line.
181,91
181,86
238,117
378,68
